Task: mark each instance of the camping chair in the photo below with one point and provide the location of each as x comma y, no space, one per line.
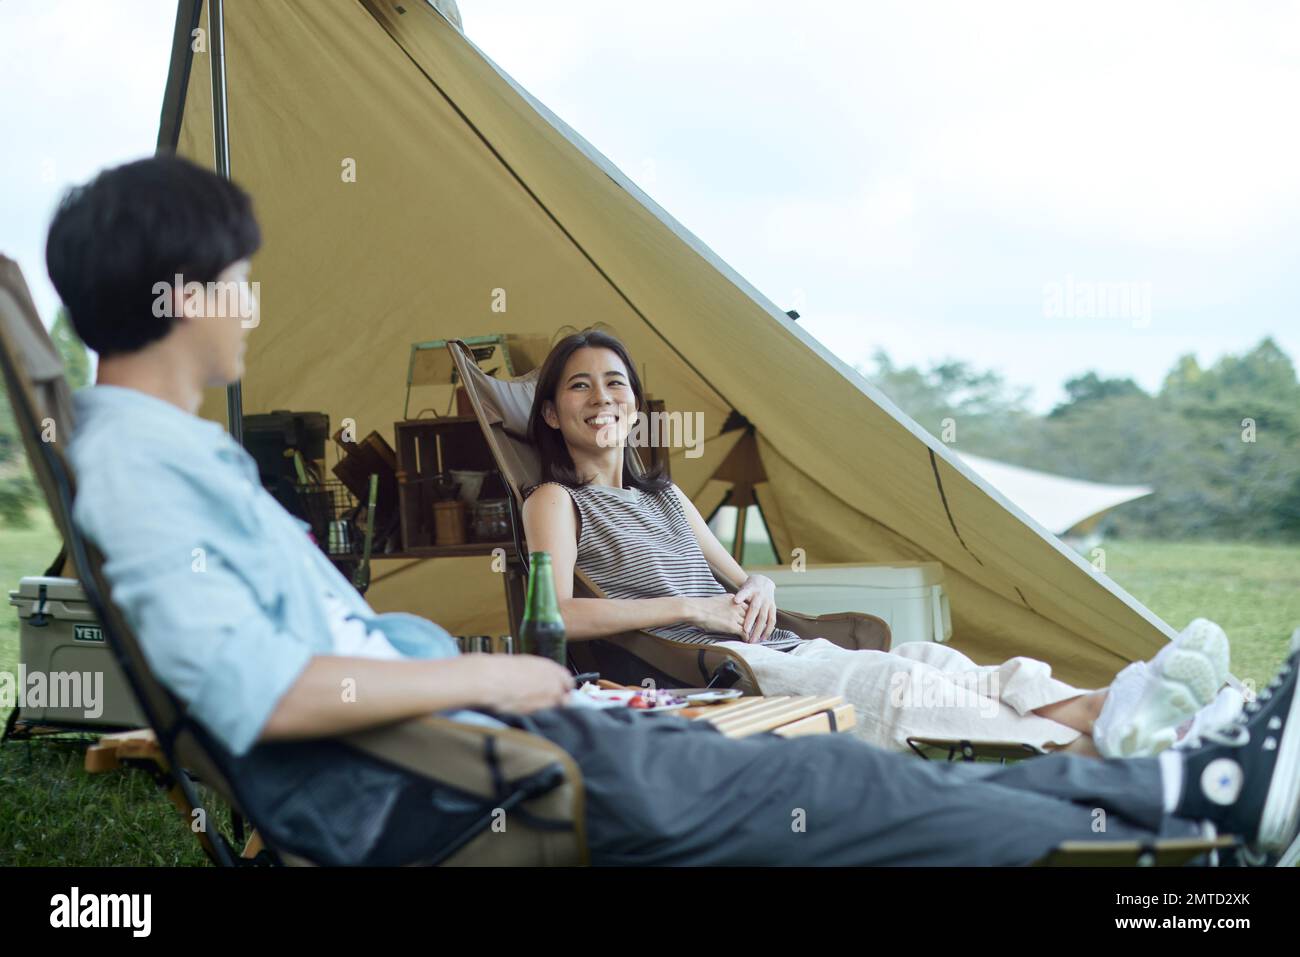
502,407
476,769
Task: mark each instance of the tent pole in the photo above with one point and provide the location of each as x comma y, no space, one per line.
738,546
221,156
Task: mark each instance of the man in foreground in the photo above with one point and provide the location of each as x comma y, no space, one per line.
252,628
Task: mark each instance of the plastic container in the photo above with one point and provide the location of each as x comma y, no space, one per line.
62,652
909,596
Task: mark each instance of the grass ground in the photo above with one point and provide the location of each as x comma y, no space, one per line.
51,812
1253,591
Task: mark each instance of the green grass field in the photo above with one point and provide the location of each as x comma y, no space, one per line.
51,812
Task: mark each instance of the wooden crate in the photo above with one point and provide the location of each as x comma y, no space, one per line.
425,447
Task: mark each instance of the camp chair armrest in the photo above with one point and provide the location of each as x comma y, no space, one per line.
849,629
453,752
853,630
633,657
480,761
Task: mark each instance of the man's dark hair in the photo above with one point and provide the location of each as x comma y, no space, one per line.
136,225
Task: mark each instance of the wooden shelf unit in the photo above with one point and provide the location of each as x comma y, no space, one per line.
425,447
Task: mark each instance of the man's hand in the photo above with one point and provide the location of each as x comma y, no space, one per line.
758,596
719,615
519,684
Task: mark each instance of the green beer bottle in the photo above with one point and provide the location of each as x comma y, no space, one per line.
542,630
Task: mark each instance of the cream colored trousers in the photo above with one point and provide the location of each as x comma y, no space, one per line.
920,689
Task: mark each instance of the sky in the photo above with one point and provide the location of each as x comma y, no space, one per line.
1040,189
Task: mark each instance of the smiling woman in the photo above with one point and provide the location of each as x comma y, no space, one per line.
594,401
644,543
636,533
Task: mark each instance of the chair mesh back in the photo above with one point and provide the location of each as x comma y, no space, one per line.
42,408
37,389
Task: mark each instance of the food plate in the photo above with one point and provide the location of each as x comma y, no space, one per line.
697,696
645,700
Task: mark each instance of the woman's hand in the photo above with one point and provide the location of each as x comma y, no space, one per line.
758,596
721,614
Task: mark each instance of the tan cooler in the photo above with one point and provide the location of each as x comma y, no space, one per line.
909,596
60,639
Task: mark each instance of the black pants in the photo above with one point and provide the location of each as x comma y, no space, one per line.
663,790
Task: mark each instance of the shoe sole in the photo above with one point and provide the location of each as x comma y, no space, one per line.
1199,661
1188,679
1281,818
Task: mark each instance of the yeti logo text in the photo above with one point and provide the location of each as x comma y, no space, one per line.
231,300
102,910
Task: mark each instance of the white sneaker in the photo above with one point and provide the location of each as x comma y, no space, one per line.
1145,705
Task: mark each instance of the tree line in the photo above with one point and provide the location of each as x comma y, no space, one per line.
1220,445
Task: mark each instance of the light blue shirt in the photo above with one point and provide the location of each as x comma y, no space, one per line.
222,586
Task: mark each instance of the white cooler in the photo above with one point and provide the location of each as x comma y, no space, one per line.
59,634
909,596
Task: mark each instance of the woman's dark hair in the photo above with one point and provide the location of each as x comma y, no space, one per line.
133,226
557,464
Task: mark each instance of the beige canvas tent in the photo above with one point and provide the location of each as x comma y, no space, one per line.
465,185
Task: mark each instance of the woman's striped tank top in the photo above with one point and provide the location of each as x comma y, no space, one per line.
636,544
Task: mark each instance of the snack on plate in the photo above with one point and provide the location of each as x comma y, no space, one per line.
638,699
655,698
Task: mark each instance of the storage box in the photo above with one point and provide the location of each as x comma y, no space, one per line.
426,449
909,596
67,674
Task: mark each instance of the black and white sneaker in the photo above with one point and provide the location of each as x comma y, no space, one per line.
1245,776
